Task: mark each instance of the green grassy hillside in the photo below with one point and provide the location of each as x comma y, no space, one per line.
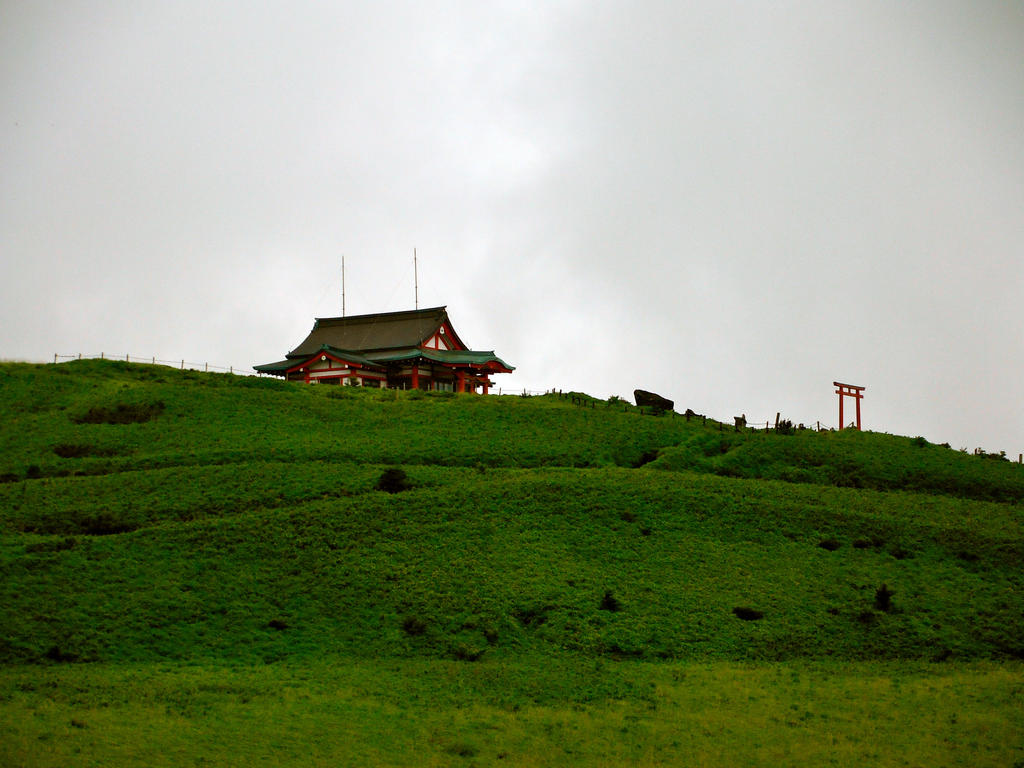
151,514
202,569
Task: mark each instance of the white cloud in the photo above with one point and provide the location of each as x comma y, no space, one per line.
731,204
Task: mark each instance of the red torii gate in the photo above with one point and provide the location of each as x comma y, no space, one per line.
848,390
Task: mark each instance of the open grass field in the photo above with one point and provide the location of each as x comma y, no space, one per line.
205,569
531,712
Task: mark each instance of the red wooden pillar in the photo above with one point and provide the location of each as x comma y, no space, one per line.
415,377
462,381
848,390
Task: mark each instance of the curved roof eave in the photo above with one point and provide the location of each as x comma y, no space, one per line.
444,356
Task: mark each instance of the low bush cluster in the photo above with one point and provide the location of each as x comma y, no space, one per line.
883,598
80,450
394,480
747,614
122,413
414,626
610,603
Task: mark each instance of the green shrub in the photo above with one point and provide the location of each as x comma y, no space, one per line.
414,626
883,598
393,480
872,542
646,458
54,653
531,616
51,546
464,652
79,450
122,413
747,614
610,603
462,749
105,524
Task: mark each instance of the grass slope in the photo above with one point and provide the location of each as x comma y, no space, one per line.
150,516
151,513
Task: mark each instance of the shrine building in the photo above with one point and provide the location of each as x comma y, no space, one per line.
415,349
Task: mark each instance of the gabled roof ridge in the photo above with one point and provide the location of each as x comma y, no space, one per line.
377,316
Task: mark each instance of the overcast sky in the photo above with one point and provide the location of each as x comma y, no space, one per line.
733,204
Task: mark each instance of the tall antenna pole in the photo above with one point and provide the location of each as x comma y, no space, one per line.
416,278
343,285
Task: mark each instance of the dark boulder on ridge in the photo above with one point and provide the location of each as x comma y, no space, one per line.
652,400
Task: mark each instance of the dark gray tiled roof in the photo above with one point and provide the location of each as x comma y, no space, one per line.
387,330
